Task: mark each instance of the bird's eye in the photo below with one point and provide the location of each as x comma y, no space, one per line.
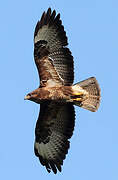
29,94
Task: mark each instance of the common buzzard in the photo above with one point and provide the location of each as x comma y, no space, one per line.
56,93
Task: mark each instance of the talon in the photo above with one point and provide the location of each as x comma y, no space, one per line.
77,99
79,94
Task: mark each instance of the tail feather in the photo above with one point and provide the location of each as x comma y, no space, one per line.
91,90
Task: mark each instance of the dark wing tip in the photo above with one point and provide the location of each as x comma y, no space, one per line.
56,163
51,18
44,20
50,165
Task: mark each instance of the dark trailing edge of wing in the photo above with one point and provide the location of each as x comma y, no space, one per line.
63,61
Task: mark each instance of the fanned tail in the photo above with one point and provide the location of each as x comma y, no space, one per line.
89,94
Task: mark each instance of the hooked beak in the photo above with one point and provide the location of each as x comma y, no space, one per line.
27,97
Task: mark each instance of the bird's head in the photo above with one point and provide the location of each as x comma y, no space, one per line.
33,96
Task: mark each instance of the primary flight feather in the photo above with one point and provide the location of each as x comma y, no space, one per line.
56,93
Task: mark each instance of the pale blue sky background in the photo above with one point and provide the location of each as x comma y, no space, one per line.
92,28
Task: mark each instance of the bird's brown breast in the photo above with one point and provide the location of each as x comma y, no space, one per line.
61,93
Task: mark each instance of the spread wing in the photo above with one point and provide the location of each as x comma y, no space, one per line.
53,59
54,127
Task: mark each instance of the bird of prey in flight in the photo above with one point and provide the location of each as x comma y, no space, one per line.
56,93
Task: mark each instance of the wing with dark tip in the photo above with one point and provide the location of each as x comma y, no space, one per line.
50,43
54,128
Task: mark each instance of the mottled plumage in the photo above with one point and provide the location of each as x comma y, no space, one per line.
56,94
